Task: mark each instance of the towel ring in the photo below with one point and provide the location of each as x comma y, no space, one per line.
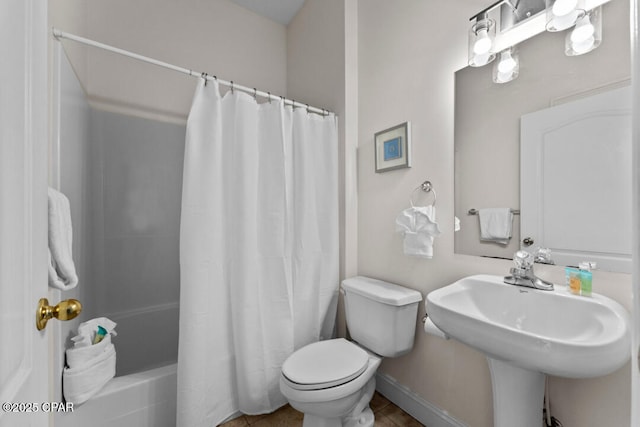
427,187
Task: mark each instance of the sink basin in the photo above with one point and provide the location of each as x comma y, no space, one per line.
527,333
553,332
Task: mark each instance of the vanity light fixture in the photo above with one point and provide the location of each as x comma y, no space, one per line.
507,67
587,34
563,14
528,18
481,37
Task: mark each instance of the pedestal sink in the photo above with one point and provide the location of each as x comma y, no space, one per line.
527,333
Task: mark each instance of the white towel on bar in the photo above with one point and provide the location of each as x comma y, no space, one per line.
62,271
495,225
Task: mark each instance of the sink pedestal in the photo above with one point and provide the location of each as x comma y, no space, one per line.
518,395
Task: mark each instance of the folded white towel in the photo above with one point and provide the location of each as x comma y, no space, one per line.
62,271
495,225
89,366
418,226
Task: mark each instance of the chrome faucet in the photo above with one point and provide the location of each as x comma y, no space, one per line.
522,274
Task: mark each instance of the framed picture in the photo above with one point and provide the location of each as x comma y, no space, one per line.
393,148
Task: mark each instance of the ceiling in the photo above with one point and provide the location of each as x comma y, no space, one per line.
281,11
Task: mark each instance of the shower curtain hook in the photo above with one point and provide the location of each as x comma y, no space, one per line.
307,109
255,94
204,76
232,87
269,97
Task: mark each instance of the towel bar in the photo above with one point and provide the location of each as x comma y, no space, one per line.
473,211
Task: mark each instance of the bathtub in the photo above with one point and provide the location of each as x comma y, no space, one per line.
144,399
143,394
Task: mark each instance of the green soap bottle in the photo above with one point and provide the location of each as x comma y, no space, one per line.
586,279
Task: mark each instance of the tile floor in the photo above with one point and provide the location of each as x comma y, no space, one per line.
387,415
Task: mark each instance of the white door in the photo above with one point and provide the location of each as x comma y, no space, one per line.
575,180
24,382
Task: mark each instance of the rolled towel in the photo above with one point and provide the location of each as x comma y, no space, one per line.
62,271
81,383
91,362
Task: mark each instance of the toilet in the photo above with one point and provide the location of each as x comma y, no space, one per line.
332,381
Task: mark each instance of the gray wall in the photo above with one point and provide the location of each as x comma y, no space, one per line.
123,177
137,183
136,167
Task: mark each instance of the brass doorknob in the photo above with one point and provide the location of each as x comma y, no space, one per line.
64,310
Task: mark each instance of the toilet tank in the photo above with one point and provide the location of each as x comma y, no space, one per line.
381,316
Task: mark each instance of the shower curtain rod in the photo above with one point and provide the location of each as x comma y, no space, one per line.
58,34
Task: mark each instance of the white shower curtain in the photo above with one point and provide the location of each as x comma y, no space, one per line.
258,250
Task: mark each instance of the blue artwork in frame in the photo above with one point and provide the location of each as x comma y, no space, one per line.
393,149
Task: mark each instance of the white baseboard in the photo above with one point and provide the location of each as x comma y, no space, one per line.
423,411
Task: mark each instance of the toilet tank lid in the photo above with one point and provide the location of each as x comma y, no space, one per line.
384,292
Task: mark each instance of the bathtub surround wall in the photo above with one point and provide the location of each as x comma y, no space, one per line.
407,73
123,177
127,258
136,167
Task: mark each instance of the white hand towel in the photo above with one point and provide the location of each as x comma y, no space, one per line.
495,225
418,226
62,271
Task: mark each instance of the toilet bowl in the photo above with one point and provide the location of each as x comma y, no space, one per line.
330,382
333,381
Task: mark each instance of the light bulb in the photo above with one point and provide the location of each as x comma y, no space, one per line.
480,60
483,43
503,77
564,7
583,31
583,46
506,69
587,34
507,64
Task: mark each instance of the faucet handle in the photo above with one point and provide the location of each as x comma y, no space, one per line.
543,256
523,260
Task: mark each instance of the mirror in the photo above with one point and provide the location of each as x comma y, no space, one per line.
488,116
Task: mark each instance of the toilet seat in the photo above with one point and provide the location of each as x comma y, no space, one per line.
325,364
